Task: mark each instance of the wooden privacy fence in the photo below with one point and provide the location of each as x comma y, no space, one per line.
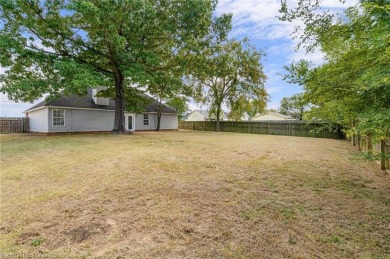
13,125
382,148
285,128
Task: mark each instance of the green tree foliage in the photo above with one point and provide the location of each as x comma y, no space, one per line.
179,103
231,73
295,106
166,87
354,82
64,47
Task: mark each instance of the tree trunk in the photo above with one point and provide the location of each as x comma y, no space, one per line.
158,117
217,128
119,121
301,114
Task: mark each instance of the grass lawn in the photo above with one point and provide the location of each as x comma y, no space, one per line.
191,194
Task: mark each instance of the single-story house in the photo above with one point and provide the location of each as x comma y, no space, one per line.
202,115
271,116
75,113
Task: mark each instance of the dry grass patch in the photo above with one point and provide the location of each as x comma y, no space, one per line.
191,194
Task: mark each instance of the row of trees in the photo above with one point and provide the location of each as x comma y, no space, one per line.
173,49
352,87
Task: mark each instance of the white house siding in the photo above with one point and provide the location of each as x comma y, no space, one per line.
90,120
38,120
169,121
139,122
78,120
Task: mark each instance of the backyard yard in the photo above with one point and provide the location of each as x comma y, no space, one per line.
191,194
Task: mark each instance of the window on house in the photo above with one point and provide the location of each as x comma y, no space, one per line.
58,117
146,119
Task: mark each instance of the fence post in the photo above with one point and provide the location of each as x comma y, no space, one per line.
289,128
353,135
204,125
383,153
21,125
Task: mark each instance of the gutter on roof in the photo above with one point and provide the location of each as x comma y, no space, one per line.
91,109
35,109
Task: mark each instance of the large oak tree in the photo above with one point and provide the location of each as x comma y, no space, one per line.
64,47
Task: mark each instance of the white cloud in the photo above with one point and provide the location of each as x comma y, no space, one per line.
257,19
336,4
316,57
280,49
274,89
273,105
272,74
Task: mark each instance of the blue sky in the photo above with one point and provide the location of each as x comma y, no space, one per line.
256,20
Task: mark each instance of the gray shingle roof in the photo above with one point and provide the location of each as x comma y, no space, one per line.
86,102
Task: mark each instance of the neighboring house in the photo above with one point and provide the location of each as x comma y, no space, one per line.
244,117
90,113
198,115
202,115
271,116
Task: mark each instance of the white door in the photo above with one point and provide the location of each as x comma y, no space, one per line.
130,121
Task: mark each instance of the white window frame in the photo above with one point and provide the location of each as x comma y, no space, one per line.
146,120
52,118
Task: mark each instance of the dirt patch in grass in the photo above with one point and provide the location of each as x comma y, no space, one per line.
27,238
191,194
